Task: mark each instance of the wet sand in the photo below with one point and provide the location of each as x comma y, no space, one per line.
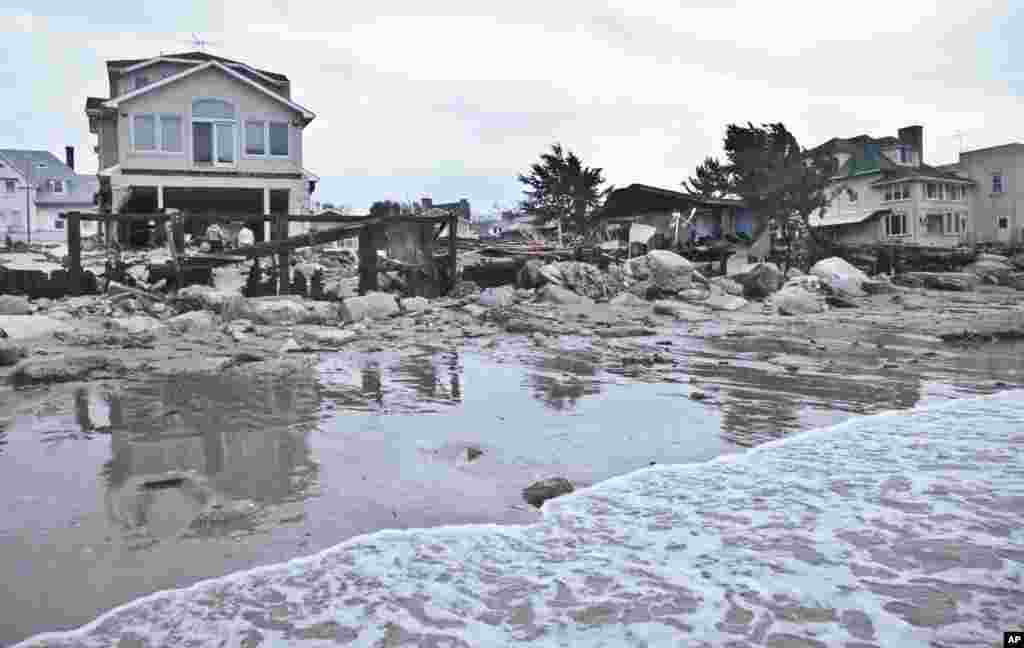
294,453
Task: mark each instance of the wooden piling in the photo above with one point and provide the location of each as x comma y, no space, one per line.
367,259
280,233
453,261
73,227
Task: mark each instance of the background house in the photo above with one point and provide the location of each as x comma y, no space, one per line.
715,219
207,135
883,192
997,203
52,187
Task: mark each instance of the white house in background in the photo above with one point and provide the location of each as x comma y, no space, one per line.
883,192
51,186
997,204
203,134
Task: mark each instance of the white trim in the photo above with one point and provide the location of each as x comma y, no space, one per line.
158,118
110,171
116,101
171,59
310,175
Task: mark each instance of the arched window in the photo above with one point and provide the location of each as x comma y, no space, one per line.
213,132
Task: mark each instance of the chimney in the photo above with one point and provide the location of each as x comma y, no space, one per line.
428,203
69,156
913,135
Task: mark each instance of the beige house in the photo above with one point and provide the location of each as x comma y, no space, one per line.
884,193
203,134
997,204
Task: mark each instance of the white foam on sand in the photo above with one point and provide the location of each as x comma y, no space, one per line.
896,530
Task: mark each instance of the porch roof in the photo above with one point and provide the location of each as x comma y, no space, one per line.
639,198
849,219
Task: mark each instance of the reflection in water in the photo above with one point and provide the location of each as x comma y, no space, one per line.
220,439
564,379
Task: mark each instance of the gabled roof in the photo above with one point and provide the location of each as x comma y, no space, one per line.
636,197
116,101
123,65
45,165
922,172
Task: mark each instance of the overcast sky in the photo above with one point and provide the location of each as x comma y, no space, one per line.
456,103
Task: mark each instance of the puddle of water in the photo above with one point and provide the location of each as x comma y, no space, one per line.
111,493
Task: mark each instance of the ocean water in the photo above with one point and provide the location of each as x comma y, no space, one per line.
897,529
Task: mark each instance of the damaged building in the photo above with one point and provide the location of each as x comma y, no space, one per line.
212,137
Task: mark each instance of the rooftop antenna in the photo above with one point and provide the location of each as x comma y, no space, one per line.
200,43
960,136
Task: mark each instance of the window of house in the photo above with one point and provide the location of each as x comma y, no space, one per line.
10,186
278,137
931,191
997,183
266,138
905,154
157,133
900,191
255,138
933,224
57,186
213,132
896,224
59,223
1004,222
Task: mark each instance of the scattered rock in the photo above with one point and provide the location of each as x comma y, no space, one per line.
992,267
369,306
325,335
473,453
138,324
475,310
555,294
65,369
10,353
628,300
200,297
728,286
500,297
694,295
957,281
192,322
290,346
670,308
793,273
725,302
465,289
624,332
582,278
15,305
539,492
530,275
414,304
760,281
879,286
698,396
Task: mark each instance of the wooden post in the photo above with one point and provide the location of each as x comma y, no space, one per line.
283,276
367,259
453,262
73,225
178,233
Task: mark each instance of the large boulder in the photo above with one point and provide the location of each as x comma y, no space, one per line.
582,278
15,305
369,306
530,276
795,299
539,492
414,304
627,299
638,268
278,311
669,271
138,324
679,310
840,276
760,281
554,294
694,295
500,297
